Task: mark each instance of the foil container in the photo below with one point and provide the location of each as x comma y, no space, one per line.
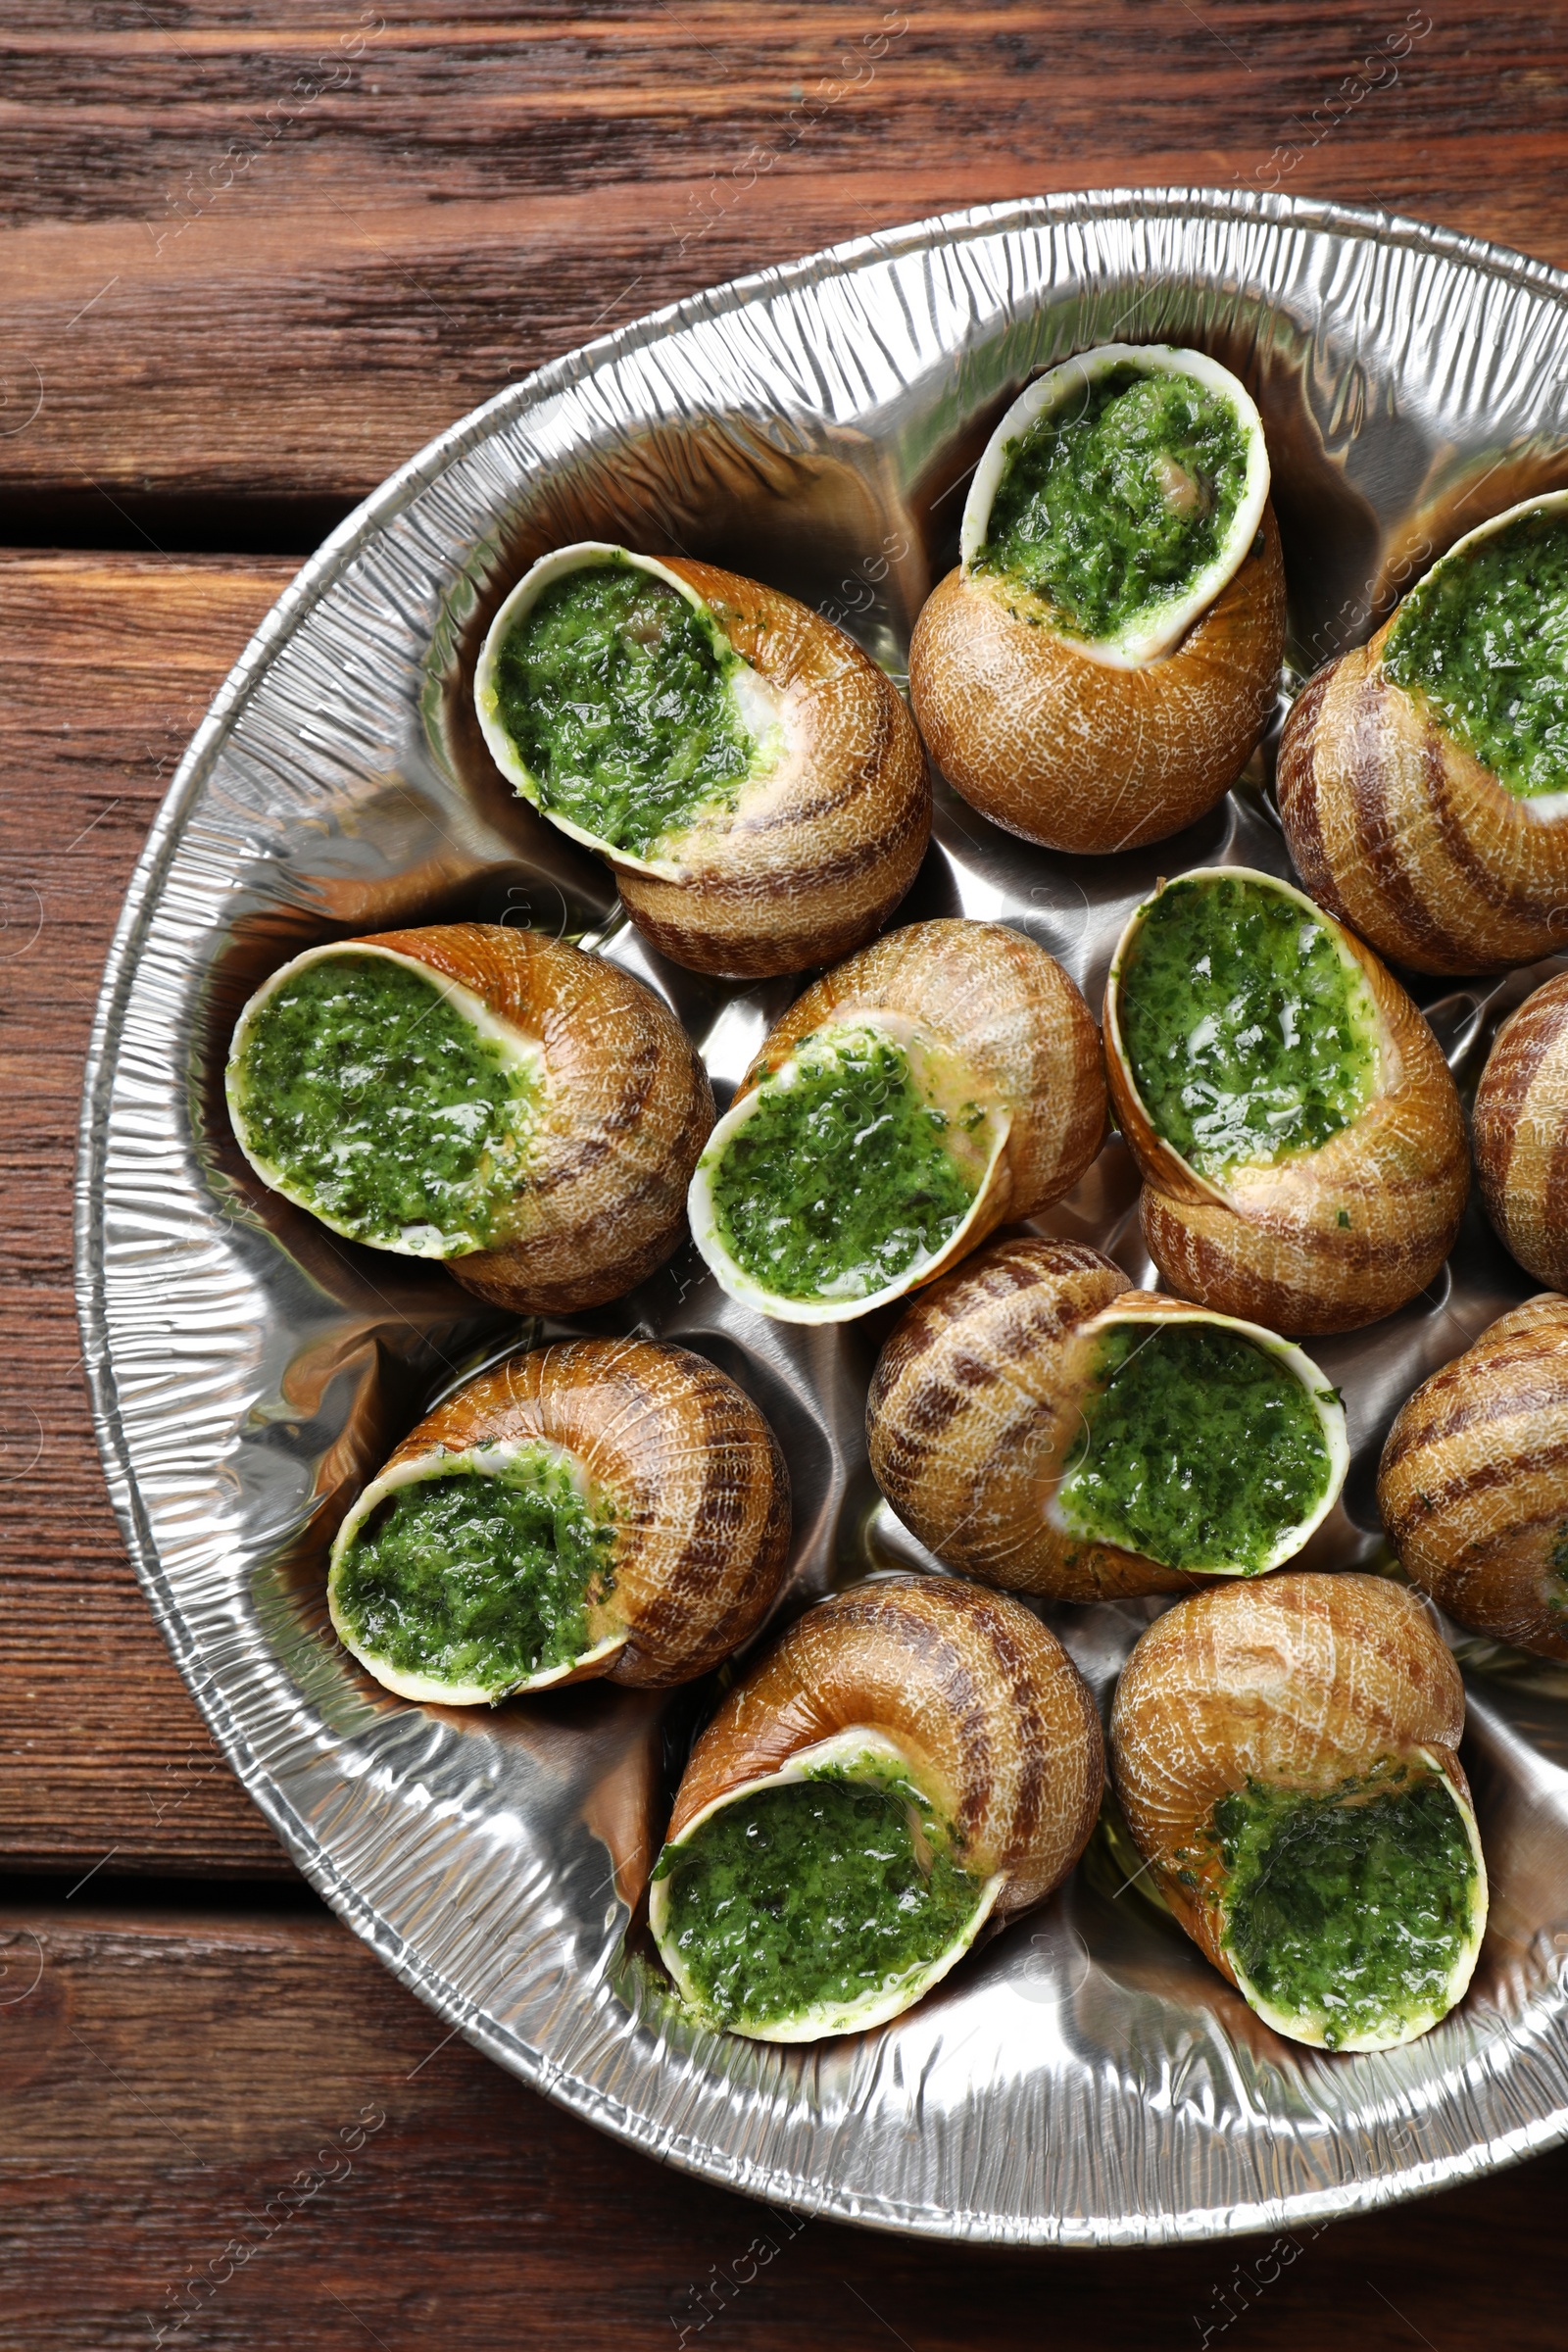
1085,2078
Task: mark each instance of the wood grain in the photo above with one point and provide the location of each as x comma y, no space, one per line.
253,251
178,2082
106,666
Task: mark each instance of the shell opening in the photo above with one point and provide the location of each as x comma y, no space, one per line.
465,1578
821,1899
854,1171
1206,1443
385,1097
1068,401
628,720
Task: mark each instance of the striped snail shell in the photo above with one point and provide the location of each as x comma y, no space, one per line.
1473,1484
986,1395
597,1108
813,843
613,1507
997,1043
958,1696
1323,1239
1520,1131
1264,1735
1401,831
1097,745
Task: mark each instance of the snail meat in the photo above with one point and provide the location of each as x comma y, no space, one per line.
937,1083
1473,1484
1285,1756
1297,1130
1423,778
477,1094
916,1756
1096,672
1520,1131
1041,1425
753,778
612,1507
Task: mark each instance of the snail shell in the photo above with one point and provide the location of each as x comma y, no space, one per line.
1325,1240
1520,1131
1011,1030
669,1450
1297,1682
976,1406
1396,827
971,1698
823,842
1473,1484
1097,747
624,1111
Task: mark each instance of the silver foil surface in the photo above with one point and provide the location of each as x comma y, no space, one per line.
1084,2079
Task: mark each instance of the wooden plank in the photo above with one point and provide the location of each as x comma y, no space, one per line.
244,2119
257,252
106,666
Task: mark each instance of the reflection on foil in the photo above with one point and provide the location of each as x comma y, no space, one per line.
1084,2077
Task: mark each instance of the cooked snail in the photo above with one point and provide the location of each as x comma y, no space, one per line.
944,1079
753,778
477,1093
1423,778
1039,1424
914,1757
1520,1131
1300,1136
1473,1484
1285,1754
1099,668
611,1508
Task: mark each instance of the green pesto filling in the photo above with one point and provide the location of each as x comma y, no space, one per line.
1484,640
1349,1909
840,1182
821,1891
1200,1448
618,701
1251,1038
483,1577
1557,1573
369,1093
1111,506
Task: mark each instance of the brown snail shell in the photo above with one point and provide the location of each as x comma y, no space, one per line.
1324,1241
625,1112
1396,827
1089,747
1520,1131
1009,1017
978,1702
1473,1484
692,1474
1298,1682
822,847
976,1405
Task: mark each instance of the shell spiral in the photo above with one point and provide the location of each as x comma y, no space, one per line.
1520,1131
1473,1484
994,1716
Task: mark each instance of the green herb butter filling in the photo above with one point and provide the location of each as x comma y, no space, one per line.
842,1180
1113,505
1483,638
1350,1910
812,1893
370,1095
478,1577
1200,1448
1249,1036
618,699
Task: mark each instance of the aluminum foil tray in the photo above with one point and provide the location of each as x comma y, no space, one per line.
1085,2078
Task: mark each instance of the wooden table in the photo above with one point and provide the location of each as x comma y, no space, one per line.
254,259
